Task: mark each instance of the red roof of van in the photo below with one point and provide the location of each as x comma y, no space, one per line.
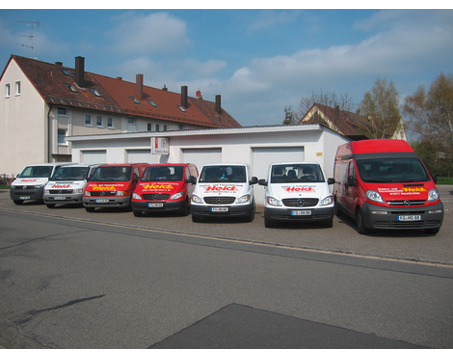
380,146
374,146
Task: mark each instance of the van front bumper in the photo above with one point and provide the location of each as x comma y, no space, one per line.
107,202
153,207
402,218
63,199
224,210
298,214
19,193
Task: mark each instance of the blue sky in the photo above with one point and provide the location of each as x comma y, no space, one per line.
258,60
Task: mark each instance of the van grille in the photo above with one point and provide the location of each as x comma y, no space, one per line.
219,200
300,202
103,193
406,202
154,197
61,191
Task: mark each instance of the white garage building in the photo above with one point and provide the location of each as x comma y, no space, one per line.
257,146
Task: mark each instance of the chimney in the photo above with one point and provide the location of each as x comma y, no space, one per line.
59,63
164,88
139,81
218,106
184,96
80,71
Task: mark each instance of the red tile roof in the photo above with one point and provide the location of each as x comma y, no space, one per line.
347,123
54,83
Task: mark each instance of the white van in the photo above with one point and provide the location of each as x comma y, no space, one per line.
67,184
224,190
30,183
297,192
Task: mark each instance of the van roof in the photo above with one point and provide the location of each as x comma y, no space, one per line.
381,146
123,164
374,146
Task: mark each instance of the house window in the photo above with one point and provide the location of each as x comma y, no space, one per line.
99,121
109,122
61,136
17,88
61,111
152,103
149,127
71,87
131,121
7,90
181,127
165,128
181,108
157,128
95,92
88,120
135,100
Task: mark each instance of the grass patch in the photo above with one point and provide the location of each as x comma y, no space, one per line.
444,181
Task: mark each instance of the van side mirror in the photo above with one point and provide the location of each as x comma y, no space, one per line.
262,182
331,181
253,180
192,180
434,176
350,181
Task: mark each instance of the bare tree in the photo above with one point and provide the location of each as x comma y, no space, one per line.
380,111
344,101
431,117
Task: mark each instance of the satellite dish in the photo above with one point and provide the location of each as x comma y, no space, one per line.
198,94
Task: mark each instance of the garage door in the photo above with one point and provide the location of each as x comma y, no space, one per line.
141,156
263,157
201,157
94,156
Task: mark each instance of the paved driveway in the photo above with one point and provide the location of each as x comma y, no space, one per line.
342,238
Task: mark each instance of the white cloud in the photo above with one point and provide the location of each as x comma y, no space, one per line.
153,33
270,18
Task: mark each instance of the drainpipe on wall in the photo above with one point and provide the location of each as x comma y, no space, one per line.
48,136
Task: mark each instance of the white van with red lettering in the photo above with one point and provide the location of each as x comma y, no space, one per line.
224,190
297,192
67,184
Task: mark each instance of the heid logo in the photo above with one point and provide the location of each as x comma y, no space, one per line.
221,188
412,190
158,186
110,188
298,188
61,186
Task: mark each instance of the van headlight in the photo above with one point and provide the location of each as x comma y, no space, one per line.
136,196
177,196
326,201
46,191
433,195
374,196
243,199
197,199
272,201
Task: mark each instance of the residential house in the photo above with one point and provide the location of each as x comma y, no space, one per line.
45,103
343,122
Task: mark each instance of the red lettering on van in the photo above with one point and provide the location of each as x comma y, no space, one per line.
221,188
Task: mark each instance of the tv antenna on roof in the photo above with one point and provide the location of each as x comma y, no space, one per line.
31,35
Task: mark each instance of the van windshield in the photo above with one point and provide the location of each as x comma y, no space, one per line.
70,173
113,173
163,173
224,174
36,172
395,170
297,173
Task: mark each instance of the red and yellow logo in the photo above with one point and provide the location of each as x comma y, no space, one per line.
158,186
104,187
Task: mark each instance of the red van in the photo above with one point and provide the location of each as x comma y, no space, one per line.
111,185
165,187
382,184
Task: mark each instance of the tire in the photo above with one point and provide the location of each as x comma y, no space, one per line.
89,209
328,223
50,206
250,216
137,213
196,218
18,202
184,211
361,229
432,231
268,223
337,210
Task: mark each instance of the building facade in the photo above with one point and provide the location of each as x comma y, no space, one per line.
44,104
257,146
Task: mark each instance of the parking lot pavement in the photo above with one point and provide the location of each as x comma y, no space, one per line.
342,238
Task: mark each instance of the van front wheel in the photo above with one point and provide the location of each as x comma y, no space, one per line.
359,221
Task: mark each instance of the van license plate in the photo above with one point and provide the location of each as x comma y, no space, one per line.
155,205
409,217
300,212
59,198
102,201
24,197
219,210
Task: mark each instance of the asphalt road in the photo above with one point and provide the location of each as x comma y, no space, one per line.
72,279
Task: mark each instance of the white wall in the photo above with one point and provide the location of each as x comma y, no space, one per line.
23,132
